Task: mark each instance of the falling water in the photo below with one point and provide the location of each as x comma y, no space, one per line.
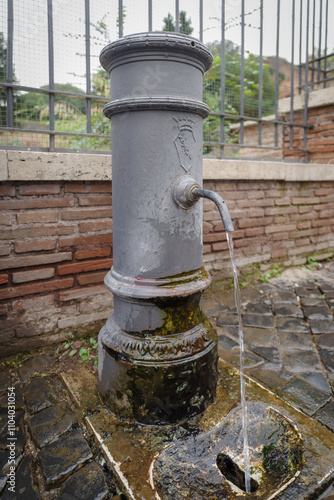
242,378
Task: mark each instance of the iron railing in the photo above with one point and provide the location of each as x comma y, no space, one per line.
233,115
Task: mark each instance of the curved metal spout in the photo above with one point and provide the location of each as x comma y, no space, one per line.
197,192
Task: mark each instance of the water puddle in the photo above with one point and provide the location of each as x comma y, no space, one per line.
247,478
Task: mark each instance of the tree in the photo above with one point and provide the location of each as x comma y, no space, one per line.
232,101
33,103
184,25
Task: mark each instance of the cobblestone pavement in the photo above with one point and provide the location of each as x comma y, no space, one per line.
289,341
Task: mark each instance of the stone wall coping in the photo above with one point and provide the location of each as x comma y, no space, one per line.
34,167
316,99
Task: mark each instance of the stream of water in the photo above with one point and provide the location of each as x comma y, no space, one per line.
242,378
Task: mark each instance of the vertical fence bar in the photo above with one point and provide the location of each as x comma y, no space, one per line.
150,15
313,46
260,75
277,72
201,20
242,72
88,80
9,63
177,15
120,18
51,76
222,83
326,41
306,73
300,46
319,43
292,71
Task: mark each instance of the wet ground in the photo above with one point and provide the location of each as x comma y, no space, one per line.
289,339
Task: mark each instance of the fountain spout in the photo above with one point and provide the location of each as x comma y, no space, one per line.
221,205
187,192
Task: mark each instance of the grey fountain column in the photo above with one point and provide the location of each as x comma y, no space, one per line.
157,353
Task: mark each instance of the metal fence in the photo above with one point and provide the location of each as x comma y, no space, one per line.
52,89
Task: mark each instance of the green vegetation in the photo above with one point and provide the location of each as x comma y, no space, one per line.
32,108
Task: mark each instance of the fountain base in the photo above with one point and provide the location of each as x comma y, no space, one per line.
292,455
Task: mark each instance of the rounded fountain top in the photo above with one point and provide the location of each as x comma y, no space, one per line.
167,44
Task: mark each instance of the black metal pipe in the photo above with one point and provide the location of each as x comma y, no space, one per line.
292,72
277,73
9,63
222,82
51,77
220,203
88,80
260,75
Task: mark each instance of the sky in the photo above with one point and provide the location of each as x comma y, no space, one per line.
31,37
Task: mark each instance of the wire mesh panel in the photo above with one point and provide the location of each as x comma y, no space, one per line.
52,87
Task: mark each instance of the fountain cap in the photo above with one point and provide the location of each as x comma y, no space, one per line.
169,44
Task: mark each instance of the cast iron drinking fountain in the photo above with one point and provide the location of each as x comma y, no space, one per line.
175,429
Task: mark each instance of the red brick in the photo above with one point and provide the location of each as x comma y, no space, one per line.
259,221
323,192
208,238
36,232
302,241
267,202
35,275
3,279
283,201
88,188
47,286
305,201
92,253
281,210
206,249
277,228
325,214
88,279
278,254
82,293
7,191
257,231
80,214
89,265
34,303
4,250
30,203
5,219
304,225
37,216
322,222
3,309
92,201
99,239
252,195
39,189
305,210
34,260
217,247
85,227
35,246
254,212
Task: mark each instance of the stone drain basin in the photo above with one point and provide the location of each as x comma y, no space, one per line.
209,465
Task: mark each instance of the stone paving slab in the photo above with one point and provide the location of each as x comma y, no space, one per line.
60,458
51,423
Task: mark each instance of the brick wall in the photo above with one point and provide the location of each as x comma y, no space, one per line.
56,247
320,138
276,222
